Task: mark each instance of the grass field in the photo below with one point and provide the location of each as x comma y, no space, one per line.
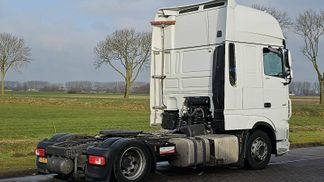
307,122
25,118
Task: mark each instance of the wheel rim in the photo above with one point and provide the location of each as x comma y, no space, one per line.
259,149
132,163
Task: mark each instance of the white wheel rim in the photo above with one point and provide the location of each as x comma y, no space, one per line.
259,149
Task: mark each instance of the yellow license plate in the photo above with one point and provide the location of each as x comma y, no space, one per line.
42,160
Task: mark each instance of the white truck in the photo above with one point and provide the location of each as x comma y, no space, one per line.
219,89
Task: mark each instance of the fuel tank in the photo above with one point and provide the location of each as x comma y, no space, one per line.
60,165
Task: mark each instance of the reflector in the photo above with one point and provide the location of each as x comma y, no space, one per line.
167,150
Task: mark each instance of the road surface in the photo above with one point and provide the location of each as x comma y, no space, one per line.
304,164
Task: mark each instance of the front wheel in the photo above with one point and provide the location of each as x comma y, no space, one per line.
133,163
258,150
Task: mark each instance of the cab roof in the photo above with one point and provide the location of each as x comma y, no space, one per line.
243,23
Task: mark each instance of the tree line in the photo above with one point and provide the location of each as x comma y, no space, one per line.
76,87
295,88
304,88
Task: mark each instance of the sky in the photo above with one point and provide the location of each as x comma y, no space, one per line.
63,34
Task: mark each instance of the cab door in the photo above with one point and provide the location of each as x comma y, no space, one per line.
276,95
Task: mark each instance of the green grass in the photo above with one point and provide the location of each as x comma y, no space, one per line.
35,122
307,123
17,154
26,118
307,137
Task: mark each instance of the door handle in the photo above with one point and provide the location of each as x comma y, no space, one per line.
267,105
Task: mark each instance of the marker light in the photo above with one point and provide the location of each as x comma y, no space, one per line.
159,23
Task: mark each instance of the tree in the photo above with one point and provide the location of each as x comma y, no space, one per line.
79,86
281,16
127,52
13,54
310,26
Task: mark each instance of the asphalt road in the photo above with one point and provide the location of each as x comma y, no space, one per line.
305,164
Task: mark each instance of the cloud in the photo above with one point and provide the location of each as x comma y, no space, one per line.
1,9
127,13
119,14
61,49
112,7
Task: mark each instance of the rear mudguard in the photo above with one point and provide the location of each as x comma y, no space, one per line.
109,149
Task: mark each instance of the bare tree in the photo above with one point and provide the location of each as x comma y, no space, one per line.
310,26
13,54
282,17
127,52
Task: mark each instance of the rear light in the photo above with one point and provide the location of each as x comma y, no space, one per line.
40,152
96,160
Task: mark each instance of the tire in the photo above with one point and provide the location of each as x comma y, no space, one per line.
258,151
133,163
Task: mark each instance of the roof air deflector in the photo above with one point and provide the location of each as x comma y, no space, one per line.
188,10
214,4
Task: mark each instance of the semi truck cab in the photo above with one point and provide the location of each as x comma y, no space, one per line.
223,63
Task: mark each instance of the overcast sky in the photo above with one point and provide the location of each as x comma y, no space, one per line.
63,33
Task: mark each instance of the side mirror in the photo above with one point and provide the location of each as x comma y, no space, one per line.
288,63
289,59
289,77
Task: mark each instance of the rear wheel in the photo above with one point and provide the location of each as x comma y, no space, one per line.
133,163
258,150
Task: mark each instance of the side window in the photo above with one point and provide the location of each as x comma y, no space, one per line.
273,63
232,64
